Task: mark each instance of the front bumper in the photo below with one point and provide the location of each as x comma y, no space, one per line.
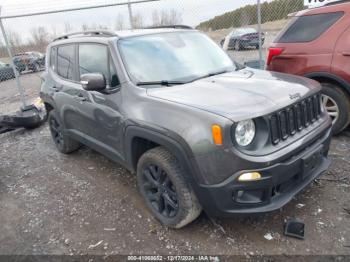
279,184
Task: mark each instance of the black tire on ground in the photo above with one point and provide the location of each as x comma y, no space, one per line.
36,125
342,101
63,143
43,119
167,194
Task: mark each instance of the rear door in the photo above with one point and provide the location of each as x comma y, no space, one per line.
341,59
68,92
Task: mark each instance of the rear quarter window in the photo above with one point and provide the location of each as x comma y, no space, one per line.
308,28
66,61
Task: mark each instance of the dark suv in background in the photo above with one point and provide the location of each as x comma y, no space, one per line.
316,44
243,38
29,61
198,131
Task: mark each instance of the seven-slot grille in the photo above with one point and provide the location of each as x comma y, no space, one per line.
295,118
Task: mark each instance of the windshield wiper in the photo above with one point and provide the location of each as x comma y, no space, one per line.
211,74
170,83
162,83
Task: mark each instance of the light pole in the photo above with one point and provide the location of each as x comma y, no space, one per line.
18,82
130,15
260,36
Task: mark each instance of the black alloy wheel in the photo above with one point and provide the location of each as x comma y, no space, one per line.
160,191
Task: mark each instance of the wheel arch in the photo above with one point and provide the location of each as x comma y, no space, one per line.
48,101
154,138
48,106
330,78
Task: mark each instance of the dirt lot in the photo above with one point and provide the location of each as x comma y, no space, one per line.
56,204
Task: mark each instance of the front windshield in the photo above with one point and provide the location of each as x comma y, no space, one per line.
177,56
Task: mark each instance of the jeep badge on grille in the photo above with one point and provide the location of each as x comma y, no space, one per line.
295,96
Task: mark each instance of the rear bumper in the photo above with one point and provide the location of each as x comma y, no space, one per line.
280,183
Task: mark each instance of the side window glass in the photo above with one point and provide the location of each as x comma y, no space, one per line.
93,59
308,28
66,61
53,58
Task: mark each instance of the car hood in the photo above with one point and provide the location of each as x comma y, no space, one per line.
239,95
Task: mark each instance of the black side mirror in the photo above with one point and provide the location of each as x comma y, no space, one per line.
93,82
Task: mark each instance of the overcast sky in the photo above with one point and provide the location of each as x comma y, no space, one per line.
193,12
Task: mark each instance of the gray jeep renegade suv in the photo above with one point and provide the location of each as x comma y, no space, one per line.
200,131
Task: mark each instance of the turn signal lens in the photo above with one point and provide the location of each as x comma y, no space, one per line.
249,176
217,134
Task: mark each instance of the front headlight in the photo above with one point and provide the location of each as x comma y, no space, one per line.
245,132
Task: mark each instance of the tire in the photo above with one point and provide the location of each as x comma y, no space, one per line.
238,46
161,183
36,67
63,143
337,104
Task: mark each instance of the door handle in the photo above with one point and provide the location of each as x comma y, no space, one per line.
346,53
56,89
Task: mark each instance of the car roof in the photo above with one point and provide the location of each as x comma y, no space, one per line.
342,6
140,32
106,36
27,53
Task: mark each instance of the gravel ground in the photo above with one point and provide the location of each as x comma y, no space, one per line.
84,204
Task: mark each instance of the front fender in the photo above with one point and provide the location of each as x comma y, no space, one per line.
177,147
175,144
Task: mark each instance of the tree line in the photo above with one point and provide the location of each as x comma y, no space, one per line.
247,15
38,38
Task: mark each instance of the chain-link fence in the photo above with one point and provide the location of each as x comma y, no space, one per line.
29,28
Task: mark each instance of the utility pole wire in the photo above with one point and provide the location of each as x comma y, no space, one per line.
76,9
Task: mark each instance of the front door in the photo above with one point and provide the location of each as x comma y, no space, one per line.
99,112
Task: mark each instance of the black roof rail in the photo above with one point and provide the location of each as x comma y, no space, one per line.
86,33
170,26
337,2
